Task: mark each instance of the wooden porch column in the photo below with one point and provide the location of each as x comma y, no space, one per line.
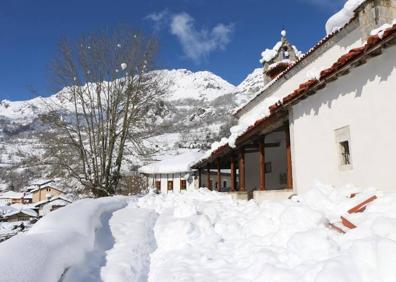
261,165
218,175
288,158
199,178
233,174
242,186
208,177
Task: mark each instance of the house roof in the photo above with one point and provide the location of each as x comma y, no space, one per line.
12,195
46,186
173,164
309,87
44,202
27,212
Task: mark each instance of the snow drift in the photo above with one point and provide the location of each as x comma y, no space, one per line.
56,242
342,17
207,236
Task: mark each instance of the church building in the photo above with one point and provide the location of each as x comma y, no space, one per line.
328,115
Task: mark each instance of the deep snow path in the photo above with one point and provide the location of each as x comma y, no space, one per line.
89,270
129,259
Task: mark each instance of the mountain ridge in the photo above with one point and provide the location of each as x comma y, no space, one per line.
197,107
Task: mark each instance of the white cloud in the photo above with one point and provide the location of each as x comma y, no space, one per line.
160,19
198,44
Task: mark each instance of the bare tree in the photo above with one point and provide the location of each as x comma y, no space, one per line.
108,101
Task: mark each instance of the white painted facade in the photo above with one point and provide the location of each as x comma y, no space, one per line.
363,100
176,178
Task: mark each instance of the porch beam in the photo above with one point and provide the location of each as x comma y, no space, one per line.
261,165
233,174
288,159
218,175
199,178
208,177
242,185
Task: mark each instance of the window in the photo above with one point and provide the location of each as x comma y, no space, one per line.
343,140
285,53
345,154
158,185
225,184
268,167
170,185
183,184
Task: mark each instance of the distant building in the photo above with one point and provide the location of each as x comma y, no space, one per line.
45,191
46,206
20,215
172,173
11,197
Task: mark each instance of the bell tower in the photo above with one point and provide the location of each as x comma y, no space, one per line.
279,58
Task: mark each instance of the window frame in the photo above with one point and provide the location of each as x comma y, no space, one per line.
342,136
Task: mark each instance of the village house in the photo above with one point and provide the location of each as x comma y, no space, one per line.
21,215
46,206
172,173
11,197
45,191
328,115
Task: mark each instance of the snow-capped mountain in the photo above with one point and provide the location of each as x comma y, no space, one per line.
197,107
201,85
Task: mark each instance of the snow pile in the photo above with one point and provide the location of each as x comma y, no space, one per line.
380,30
281,62
341,18
269,54
55,242
207,236
128,260
173,164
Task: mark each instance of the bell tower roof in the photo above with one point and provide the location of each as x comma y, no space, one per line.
279,58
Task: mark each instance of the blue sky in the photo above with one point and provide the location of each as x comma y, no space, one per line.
223,36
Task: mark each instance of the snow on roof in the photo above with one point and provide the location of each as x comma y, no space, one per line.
46,186
28,212
11,195
43,202
243,125
173,164
268,54
7,211
342,17
274,65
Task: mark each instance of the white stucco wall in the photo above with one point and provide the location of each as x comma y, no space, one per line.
276,156
176,177
364,100
325,60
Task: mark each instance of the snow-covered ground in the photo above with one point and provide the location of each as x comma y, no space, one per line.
207,236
